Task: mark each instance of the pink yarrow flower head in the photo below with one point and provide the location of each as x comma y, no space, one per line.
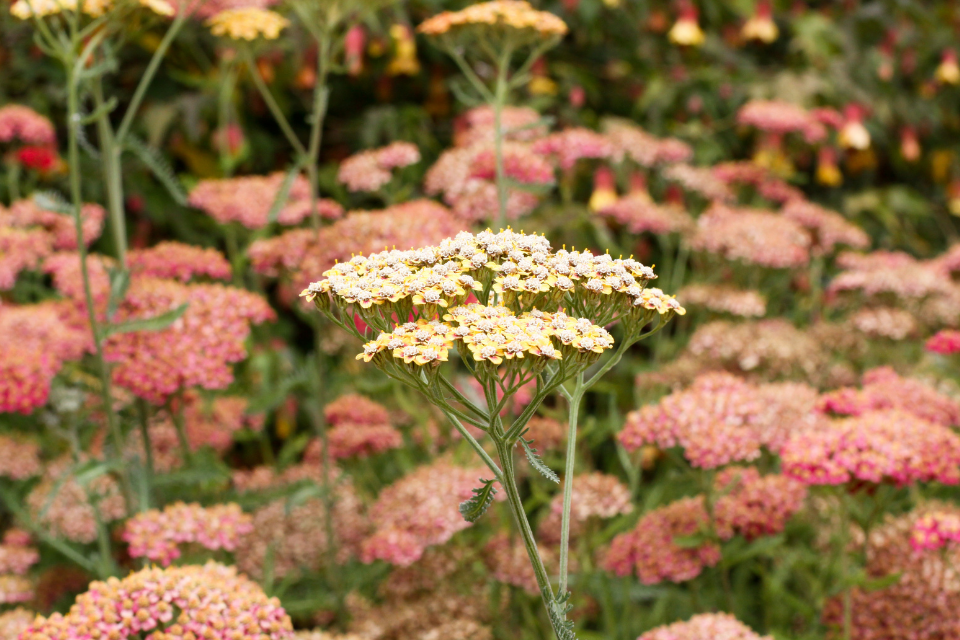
19,458
638,213
883,388
649,550
576,143
411,515
28,214
196,350
157,535
247,200
21,250
348,440
354,408
828,228
699,180
67,275
17,559
774,116
724,299
179,261
596,496
520,124
643,148
875,447
945,342
935,530
754,236
371,170
506,558
705,626
209,601
753,505
44,341
15,621
24,125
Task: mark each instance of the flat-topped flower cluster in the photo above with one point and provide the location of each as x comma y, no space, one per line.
522,279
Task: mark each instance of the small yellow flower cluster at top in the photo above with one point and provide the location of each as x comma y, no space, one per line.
247,23
515,14
491,334
29,9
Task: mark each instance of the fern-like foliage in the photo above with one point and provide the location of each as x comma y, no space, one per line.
159,166
557,611
537,462
472,509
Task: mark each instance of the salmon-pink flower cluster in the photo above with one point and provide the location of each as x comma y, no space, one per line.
21,250
650,550
157,535
699,180
19,458
705,626
196,350
248,200
44,340
877,446
60,226
65,269
753,505
775,116
507,560
354,408
411,515
638,213
755,236
371,170
935,530
645,149
17,558
14,589
883,388
520,124
210,601
566,147
945,342
360,427
24,125
760,178
829,228
67,509
595,496
889,273
724,299
213,422
178,261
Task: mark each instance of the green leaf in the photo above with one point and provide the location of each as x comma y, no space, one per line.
557,612
876,584
690,542
472,509
159,166
119,283
760,546
156,323
537,462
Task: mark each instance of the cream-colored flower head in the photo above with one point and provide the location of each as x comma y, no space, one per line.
28,9
510,14
247,23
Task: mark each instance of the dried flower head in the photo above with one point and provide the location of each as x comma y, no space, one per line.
247,23
371,170
875,447
19,458
705,626
156,535
71,510
178,261
209,601
411,515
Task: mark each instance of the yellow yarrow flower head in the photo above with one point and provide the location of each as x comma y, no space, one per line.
29,9
247,23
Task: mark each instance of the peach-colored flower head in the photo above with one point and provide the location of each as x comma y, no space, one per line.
61,228
576,143
754,236
19,458
24,125
21,250
705,626
699,180
725,299
645,149
829,228
210,601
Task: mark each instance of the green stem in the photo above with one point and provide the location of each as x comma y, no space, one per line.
576,396
843,541
321,97
500,99
13,181
272,103
113,180
509,484
146,492
177,415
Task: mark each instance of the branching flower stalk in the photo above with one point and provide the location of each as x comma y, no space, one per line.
543,324
494,33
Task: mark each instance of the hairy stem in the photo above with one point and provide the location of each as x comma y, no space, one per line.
576,396
499,102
